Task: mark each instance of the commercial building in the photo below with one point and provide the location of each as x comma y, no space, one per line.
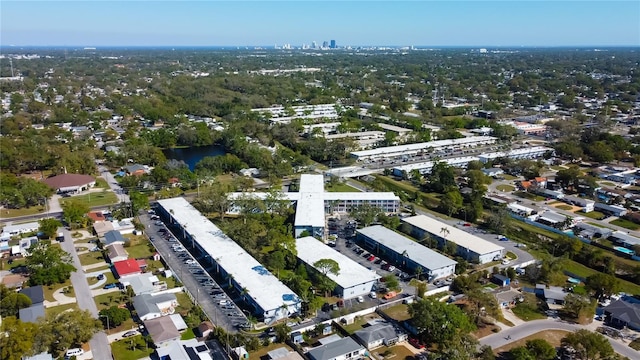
401,133
522,153
365,139
70,183
405,253
410,150
352,280
270,298
470,247
312,203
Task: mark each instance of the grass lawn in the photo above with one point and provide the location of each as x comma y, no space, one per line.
188,334
49,290
357,325
95,199
511,255
598,225
397,352
92,257
341,188
625,224
564,207
583,271
9,213
607,183
139,251
593,215
505,188
123,349
184,303
398,312
55,310
4,263
105,301
509,177
526,195
102,183
552,336
526,313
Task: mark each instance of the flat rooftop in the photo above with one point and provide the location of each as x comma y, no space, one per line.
351,273
515,152
459,237
429,164
422,255
421,146
267,291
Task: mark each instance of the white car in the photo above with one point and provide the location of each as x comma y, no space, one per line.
505,261
73,352
360,299
372,295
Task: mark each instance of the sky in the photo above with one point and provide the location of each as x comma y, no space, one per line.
350,23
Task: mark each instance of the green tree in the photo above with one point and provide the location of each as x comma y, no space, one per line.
49,227
392,283
74,213
588,345
115,315
602,285
12,303
17,339
577,306
451,202
327,266
58,332
139,201
541,349
48,265
437,322
282,331
521,353
365,214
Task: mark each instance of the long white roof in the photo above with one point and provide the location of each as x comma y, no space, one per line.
421,146
267,291
351,273
461,238
429,164
311,197
515,152
420,254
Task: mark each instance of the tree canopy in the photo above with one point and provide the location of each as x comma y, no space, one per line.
48,265
438,322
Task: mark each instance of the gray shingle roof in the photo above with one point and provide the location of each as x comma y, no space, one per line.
625,311
334,349
376,332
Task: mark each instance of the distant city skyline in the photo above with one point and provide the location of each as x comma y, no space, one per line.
358,23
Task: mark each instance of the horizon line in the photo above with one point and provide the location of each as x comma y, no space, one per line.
298,47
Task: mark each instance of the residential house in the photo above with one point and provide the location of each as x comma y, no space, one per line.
554,295
14,281
587,205
146,283
165,330
154,306
100,228
113,237
239,353
613,210
41,356
116,252
96,216
345,348
622,313
126,268
283,353
36,310
136,170
191,349
378,335
204,329
493,171
500,280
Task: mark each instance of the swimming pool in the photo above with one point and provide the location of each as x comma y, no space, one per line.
624,250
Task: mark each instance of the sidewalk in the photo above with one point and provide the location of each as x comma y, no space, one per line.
61,299
509,315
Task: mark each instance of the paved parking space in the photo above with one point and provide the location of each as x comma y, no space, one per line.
211,297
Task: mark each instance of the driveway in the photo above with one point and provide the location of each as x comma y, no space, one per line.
529,328
99,343
113,184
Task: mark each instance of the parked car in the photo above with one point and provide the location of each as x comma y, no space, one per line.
100,276
110,286
73,352
360,299
416,343
372,295
130,334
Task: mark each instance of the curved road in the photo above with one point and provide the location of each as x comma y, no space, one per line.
529,328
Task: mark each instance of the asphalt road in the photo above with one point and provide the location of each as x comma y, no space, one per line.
113,184
529,328
100,348
209,305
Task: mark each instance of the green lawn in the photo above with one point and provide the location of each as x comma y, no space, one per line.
184,303
564,207
188,334
398,352
583,271
607,183
92,257
108,300
505,188
339,187
4,263
526,195
526,313
132,348
511,255
102,183
398,312
94,199
598,225
625,224
139,251
509,177
55,310
593,215
9,213
49,290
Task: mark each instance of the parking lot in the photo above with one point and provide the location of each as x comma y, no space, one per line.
206,292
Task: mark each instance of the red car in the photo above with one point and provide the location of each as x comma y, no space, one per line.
371,258
416,343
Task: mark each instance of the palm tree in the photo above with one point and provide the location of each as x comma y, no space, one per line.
444,231
419,271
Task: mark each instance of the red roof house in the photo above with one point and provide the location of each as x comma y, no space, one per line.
96,216
127,267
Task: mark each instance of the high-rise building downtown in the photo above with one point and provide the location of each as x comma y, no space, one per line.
325,44
333,44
